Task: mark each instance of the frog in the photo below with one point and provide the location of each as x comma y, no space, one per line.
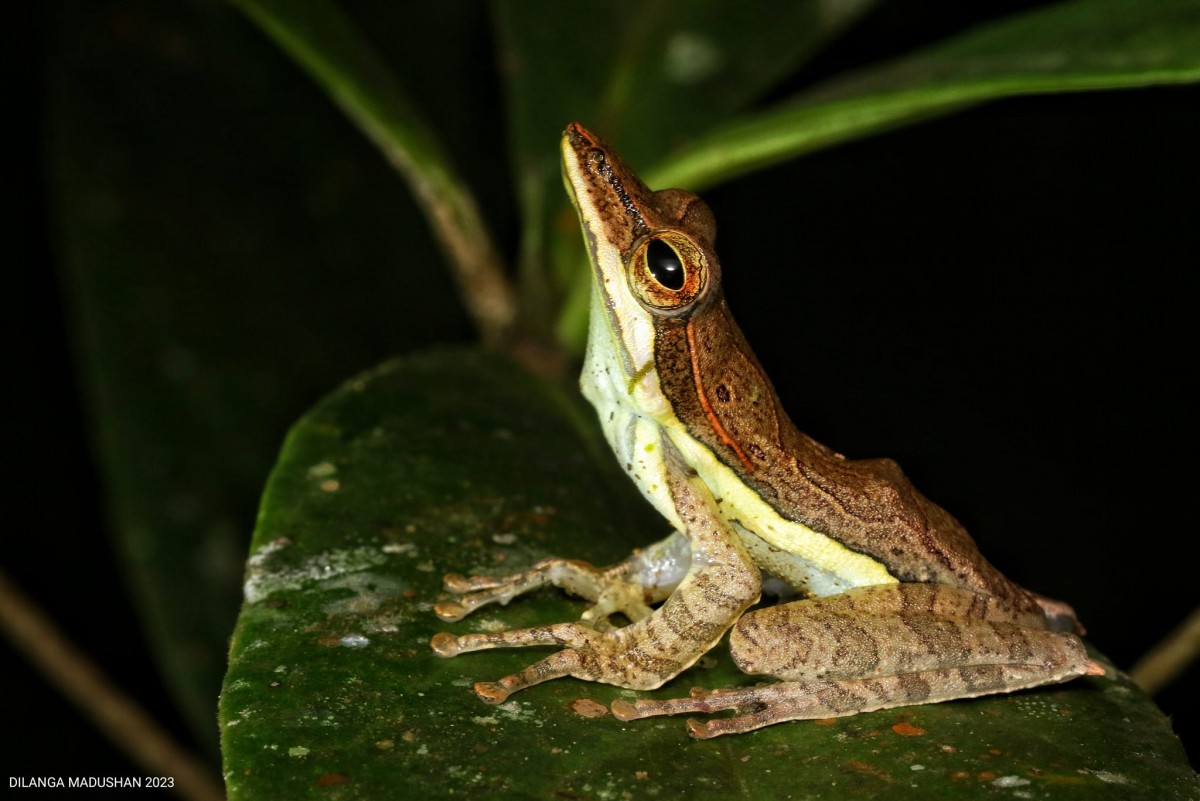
890,602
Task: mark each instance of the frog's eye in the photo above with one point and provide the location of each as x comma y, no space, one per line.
664,265
668,272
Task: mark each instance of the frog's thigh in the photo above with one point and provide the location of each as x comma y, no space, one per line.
876,648
901,629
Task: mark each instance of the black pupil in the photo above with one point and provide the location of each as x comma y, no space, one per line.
664,264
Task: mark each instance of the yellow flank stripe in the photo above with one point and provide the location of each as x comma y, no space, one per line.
739,502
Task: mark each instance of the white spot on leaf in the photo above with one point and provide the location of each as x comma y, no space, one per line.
322,470
262,581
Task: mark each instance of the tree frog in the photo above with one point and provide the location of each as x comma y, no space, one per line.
897,605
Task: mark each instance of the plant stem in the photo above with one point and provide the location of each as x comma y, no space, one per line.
117,715
334,53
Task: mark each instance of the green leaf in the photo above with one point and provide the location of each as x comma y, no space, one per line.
1076,46
230,249
649,76
459,461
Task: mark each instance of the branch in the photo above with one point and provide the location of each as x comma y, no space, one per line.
118,716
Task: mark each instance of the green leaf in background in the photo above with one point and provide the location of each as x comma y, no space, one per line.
648,76
459,461
231,248
1082,45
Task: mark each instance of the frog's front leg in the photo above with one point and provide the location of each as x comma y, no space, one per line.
721,582
630,587
878,647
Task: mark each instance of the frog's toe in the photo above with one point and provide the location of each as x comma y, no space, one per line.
618,597
445,644
491,692
624,710
707,729
450,611
456,582
456,609
647,708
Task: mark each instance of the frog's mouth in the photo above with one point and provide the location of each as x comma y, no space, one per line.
607,213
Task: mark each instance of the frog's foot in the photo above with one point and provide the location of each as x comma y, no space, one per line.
768,704
587,654
579,578
755,707
1059,616
620,588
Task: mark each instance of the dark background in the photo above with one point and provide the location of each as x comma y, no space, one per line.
998,299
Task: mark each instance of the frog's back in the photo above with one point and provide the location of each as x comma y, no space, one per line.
868,505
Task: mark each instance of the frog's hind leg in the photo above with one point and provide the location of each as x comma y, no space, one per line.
875,648
765,705
754,707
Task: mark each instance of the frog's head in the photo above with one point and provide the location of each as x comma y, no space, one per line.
652,258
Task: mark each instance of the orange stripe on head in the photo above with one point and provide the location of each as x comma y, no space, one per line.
704,404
